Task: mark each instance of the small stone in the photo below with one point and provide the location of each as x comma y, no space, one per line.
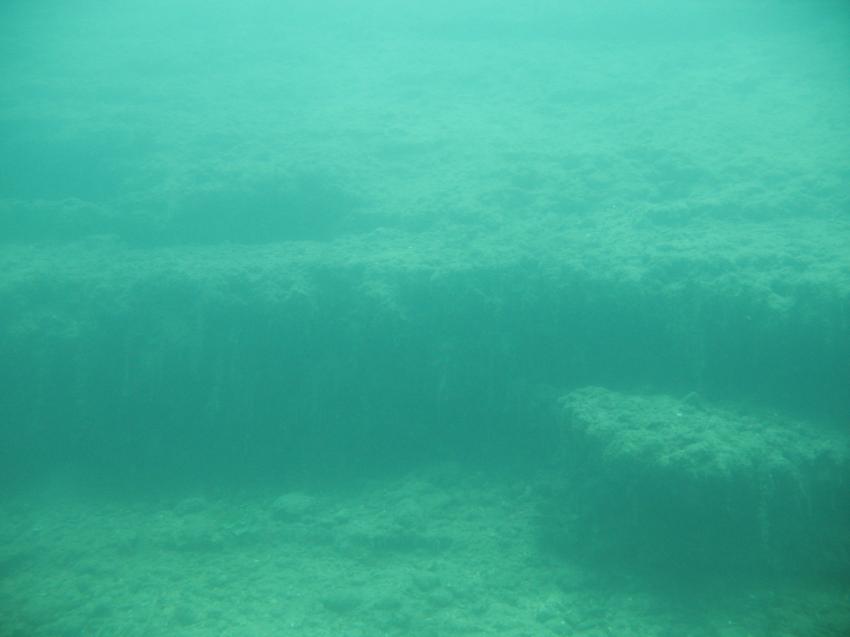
292,507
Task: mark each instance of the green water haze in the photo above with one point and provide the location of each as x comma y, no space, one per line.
395,318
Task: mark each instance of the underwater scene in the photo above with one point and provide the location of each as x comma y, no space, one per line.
394,318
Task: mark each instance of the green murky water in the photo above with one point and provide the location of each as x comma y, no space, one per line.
428,319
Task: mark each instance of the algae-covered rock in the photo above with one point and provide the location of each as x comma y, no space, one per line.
661,480
686,439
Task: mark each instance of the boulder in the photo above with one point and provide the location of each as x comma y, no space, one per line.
655,480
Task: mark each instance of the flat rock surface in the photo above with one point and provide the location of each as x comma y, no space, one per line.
691,438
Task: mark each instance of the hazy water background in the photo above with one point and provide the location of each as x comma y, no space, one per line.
285,248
